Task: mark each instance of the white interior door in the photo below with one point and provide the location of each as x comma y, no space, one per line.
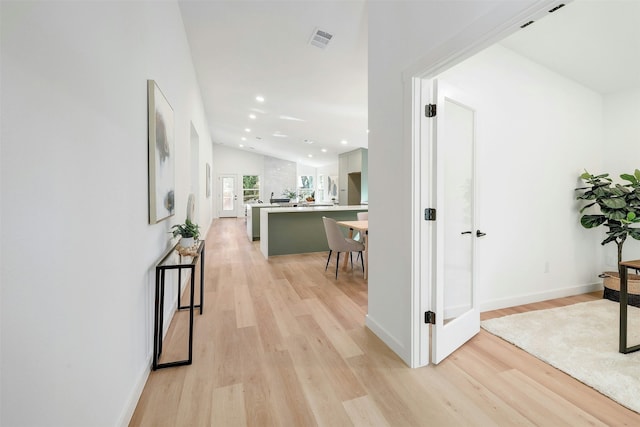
457,315
228,196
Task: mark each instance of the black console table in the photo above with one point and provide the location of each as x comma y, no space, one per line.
624,301
172,260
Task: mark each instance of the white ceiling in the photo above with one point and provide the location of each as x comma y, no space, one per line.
242,49
596,43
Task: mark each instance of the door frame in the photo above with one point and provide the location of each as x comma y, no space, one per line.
452,52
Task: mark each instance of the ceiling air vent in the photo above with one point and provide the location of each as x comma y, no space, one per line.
320,38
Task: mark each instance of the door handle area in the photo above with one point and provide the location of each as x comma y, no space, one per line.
466,232
480,233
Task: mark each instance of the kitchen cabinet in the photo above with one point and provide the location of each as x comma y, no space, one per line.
353,177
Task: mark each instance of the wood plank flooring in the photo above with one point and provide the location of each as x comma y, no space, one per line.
282,343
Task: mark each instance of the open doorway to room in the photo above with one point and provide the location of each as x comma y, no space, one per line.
556,97
194,187
354,188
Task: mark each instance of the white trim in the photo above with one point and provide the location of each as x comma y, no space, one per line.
416,225
394,344
503,20
498,304
134,397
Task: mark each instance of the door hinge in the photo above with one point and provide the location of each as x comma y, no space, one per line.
430,317
430,110
430,214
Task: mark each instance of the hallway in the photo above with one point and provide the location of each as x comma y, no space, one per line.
282,343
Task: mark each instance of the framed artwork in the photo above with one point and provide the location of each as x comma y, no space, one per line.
208,186
161,155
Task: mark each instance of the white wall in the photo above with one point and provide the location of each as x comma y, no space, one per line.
537,132
407,37
231,161
78,252
622,137
280,177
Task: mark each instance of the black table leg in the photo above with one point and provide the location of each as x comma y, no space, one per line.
624,300
156,328
191,309
202,281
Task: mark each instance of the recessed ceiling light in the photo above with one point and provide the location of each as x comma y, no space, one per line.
279,135
260,98
241,145
252,116
243,138
309,155
324,150
344,142
247,130
367,130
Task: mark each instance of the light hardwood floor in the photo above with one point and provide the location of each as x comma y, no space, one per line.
282,343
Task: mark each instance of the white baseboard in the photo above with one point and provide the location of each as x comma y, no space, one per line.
388,339
539,296
134,397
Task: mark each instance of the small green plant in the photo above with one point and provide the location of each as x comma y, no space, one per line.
619,206
188,229
290,194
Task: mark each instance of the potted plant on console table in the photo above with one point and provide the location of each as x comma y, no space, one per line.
619,210
189,233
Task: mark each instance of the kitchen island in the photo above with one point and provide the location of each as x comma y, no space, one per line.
296,230
253,219
253,214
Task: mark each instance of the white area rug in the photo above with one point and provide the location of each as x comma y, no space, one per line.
581,340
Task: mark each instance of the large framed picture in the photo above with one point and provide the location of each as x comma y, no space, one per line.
161,155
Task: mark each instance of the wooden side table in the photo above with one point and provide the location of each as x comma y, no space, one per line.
624,302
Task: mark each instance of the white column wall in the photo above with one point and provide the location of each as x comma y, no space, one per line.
78,252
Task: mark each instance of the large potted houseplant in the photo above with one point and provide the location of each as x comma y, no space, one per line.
617,207
189,233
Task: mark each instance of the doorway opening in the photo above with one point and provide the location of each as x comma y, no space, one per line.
194,187
354,188
432,239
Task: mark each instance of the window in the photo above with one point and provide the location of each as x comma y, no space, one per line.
305,187
250,188
320,189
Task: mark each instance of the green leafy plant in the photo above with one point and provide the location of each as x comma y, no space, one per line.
188,229
619,206
290,194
